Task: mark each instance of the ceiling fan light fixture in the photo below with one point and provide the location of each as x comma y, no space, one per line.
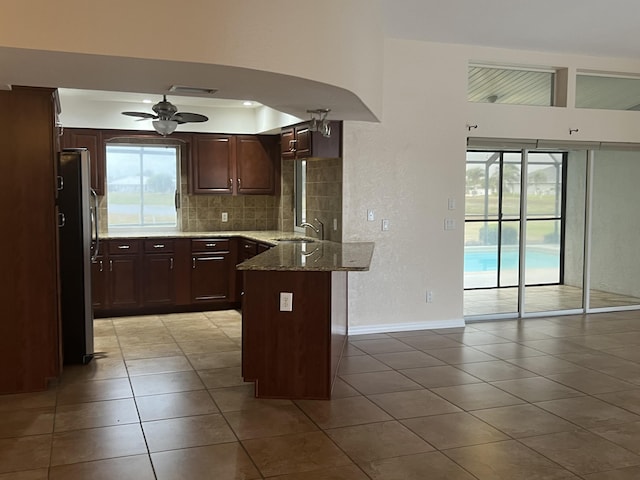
165,127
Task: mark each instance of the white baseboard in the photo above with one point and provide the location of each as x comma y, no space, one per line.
405,327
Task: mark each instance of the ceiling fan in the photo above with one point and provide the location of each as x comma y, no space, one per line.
167,117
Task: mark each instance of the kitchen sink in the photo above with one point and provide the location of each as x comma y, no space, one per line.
294,240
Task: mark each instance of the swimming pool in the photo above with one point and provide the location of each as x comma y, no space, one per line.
485,259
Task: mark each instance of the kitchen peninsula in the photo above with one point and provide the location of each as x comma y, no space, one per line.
294,316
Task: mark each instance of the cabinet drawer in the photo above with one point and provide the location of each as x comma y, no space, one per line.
126,245
159,245
210,245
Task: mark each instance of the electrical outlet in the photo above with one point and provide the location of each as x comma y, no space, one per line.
225,217
385,225
429,296
451,204
449,223
286,301
335,224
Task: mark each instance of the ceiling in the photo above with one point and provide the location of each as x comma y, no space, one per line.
589,27
584,27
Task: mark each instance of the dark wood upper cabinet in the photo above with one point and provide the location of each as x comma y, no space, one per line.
256,164
91,140
298,142
212,163
234,164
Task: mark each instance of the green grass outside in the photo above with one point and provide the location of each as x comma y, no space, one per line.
130,198
536,205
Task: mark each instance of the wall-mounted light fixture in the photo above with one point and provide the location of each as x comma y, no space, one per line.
319,122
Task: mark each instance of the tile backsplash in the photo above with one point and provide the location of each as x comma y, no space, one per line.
262,212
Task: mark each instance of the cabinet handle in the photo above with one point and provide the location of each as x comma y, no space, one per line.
171,263
238,184
61,220
101,267
292,145
193,262
159,245
247,246
60,183
111,265
210,245
230,183
124,247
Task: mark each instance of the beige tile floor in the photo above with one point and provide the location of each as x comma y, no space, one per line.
548,398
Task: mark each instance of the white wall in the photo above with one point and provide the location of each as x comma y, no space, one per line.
405,169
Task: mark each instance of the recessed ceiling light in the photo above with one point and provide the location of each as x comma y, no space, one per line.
247,103
146,100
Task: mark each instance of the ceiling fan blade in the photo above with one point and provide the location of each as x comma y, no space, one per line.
184,117
140,114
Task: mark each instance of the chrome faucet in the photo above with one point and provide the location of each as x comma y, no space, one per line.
319,230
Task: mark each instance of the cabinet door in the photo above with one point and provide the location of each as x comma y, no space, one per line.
91,140
210,277
287,143
99,283
255,164
124,284
248,249
158,280
303,141
212,166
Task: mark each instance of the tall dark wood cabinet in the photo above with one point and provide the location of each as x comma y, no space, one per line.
30,345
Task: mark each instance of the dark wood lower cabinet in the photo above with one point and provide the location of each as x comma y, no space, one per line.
165,275
124,281
158,279
210,277
293,354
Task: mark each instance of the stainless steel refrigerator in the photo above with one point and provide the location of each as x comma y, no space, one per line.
79,245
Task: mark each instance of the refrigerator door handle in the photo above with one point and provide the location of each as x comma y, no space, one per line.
94,220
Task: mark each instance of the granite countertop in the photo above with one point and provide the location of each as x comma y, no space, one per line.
316,256
267,236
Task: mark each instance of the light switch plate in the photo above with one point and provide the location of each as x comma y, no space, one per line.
371,215
286,301
225,217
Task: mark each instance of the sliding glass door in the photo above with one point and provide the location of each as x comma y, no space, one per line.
492,226
511,268
615,227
